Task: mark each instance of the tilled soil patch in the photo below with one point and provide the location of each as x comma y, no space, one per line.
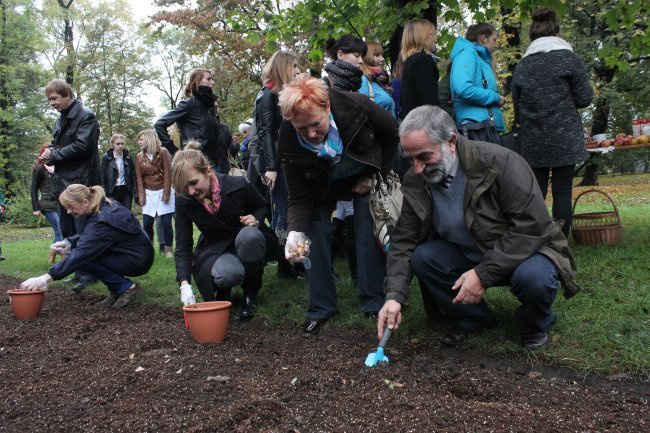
81,367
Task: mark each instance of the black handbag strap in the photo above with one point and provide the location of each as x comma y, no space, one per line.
484,81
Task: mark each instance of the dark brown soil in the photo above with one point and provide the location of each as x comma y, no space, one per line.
80,367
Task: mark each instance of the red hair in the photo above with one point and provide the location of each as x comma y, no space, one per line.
40,152
303,95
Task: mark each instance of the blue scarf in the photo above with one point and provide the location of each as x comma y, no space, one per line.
331,149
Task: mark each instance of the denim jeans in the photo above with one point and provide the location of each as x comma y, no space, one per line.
53,218
166,222
562,188
371,262
438,264
111,269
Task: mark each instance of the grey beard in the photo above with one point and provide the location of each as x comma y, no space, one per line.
434,174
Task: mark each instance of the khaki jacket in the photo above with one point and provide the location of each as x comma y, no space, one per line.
504,211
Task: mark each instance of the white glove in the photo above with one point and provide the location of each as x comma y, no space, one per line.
187,296
296,249
36,283
61,247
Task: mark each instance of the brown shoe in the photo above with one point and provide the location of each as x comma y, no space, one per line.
110,299
126,297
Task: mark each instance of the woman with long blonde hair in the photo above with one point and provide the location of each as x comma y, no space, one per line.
419,84
111,246
281,69
155,193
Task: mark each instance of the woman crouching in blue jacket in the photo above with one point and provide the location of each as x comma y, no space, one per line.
113,244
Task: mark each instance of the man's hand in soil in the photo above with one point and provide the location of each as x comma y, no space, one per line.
187,296
36,283
471,288
390,315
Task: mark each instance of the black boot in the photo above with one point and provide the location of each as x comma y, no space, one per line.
284,268
251,285
248,309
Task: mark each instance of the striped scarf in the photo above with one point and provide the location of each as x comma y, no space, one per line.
331,149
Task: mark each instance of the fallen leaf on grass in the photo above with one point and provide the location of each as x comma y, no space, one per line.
218,378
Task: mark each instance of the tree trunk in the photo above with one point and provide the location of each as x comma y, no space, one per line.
4,97
68,39
601,118
431,14
512,30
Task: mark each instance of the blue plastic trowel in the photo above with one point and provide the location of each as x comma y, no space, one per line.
374,357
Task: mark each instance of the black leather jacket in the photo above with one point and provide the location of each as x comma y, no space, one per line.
74,151
268,120
43,182
197,121
109,172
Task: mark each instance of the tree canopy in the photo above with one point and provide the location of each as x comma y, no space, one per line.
114,63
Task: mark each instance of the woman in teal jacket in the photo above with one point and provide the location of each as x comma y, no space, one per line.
472,65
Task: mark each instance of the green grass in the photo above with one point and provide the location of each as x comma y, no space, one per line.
604,329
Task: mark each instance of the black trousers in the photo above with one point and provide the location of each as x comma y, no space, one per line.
562,188
122,194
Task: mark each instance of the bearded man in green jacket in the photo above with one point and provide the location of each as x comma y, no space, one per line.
473,217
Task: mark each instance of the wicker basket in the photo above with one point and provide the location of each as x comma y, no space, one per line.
596,228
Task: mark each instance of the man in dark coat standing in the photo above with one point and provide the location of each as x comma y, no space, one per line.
74,153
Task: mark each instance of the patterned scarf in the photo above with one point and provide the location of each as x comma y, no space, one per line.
380,76
344,76
435,58
213,205
331,149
